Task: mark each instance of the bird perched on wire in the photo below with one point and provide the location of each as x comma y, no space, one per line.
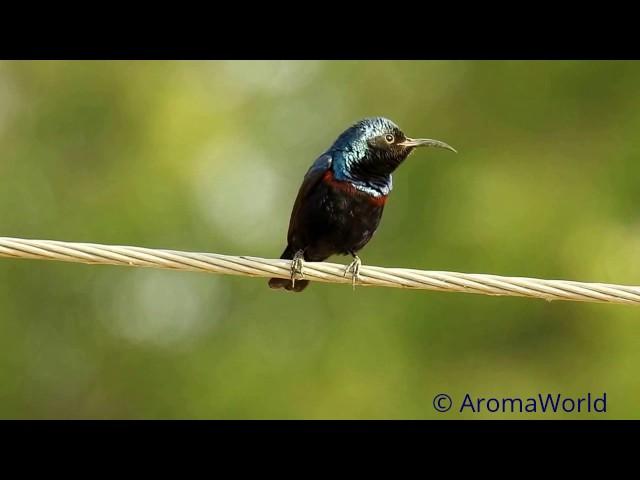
340,202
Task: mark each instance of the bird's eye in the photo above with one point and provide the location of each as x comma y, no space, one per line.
389,138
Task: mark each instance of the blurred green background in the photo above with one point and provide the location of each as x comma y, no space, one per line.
208,156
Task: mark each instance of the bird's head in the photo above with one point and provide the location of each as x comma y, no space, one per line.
375,147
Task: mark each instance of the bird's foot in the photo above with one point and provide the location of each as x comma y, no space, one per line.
354,269
297,264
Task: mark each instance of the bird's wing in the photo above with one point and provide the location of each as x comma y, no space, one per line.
311,179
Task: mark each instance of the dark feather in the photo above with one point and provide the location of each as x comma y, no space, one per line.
340,202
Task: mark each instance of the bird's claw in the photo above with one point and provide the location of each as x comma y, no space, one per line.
354,269
297,264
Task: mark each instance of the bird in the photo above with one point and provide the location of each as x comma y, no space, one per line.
339,205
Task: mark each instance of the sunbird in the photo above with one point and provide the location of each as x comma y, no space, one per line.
340,202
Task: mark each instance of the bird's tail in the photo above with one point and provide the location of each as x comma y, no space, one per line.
285,283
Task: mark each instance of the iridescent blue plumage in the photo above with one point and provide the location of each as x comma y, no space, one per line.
342,197
352,147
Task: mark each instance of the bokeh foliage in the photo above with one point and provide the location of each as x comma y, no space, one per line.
208,156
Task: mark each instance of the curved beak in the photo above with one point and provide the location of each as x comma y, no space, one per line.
426,142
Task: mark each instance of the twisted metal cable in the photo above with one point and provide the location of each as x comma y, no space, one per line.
91,253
